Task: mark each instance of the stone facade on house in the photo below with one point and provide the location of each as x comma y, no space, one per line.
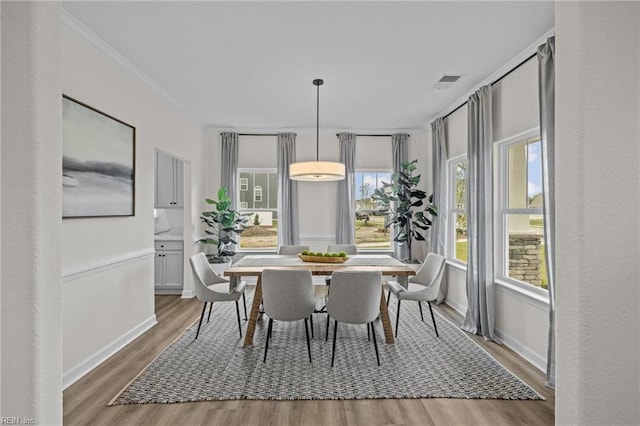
525,257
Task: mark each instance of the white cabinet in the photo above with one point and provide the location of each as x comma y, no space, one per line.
168,266
169,181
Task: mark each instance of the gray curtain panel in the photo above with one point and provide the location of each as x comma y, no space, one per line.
229,169
346,214
480,317
439,171
288,223
546,73
399,152
229,172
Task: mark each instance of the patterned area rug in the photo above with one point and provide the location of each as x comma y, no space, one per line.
217,367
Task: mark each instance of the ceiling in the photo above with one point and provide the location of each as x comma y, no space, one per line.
250,65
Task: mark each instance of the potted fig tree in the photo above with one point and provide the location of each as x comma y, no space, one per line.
407,207
222,226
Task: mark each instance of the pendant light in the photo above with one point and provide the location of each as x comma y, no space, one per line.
317,171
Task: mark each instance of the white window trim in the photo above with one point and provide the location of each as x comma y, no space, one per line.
501,251
244,183
451,211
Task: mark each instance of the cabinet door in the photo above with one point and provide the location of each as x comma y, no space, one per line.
164,180
173,268
178,183
159,269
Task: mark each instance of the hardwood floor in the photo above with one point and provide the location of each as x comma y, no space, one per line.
85,402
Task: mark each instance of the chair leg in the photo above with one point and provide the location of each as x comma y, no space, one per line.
244,301
204,308
388,297
311,321
266,346
326,335
433,319
238,315
210,307
306,330
375,343
335,334
368,333
397,317
420,306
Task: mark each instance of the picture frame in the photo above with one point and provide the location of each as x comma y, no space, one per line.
98,163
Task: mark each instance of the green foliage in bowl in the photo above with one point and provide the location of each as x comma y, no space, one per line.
305,252
342,254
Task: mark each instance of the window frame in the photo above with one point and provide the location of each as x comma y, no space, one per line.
243,183
453,210
355,189
502,212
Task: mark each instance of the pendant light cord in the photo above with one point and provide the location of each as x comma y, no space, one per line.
318,82
318,123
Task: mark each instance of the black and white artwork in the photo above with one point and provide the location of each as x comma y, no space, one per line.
98,163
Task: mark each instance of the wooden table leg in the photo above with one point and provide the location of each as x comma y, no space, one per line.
384,317
253,315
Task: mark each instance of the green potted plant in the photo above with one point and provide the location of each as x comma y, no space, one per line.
222,226
405,206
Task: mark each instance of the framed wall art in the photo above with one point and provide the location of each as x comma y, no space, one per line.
98,163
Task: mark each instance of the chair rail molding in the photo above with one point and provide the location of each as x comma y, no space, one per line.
78,271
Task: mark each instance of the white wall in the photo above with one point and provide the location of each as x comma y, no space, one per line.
521,321
108,290
317,201
31,187
597,204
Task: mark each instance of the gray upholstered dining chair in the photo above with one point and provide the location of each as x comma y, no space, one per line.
354,299
347,248
337,248
287,295
423,287
292,249
210,288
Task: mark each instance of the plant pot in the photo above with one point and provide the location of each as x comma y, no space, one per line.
220,267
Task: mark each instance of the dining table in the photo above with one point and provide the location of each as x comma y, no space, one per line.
253,265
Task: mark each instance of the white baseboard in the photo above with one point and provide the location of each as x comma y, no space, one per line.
458,307
536,360
188,294
77,372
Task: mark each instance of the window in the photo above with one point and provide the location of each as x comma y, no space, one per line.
260,200
458,248
244,184
370,231
257,193
520,231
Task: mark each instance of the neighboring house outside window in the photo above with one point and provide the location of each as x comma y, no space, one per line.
261,200
370,232
520,233
458,248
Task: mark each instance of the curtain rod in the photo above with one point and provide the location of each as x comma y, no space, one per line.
275,134
370,136
497,80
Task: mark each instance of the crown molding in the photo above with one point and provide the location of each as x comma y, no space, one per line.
508,66
73,25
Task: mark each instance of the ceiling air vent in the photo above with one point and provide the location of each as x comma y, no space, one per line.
446,81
